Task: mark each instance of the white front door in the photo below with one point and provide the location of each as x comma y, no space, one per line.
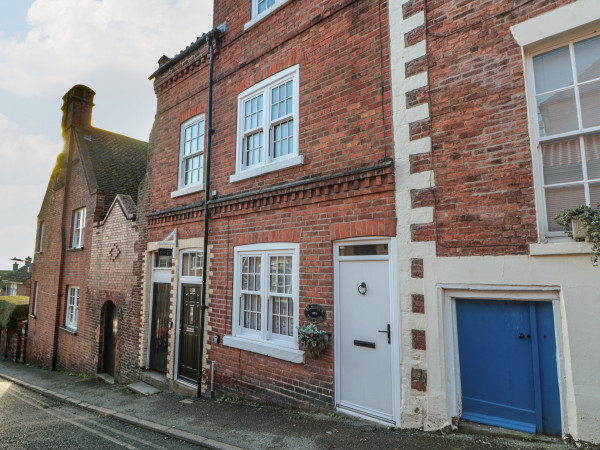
364,330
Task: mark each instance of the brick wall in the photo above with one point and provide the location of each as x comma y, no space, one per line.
479,127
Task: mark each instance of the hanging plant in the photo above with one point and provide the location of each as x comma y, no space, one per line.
312,340
583,222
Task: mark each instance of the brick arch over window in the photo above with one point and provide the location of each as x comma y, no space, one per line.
291,235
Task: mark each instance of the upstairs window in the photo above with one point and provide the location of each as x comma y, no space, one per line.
191,153
566,87
268,125
41,238
78,228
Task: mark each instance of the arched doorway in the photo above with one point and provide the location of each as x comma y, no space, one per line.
110,339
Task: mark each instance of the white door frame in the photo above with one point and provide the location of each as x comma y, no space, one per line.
450,293
157,275
394,321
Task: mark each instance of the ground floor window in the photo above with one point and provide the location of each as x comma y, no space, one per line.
72,307
266,293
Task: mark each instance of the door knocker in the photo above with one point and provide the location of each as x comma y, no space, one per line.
362,288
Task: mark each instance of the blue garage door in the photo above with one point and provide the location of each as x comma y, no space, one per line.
507,354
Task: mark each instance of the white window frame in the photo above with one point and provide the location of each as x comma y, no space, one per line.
12,289
269,162
264,341
78,227
35,300
538,140
185,279
72,306
182,187
41,241
256,17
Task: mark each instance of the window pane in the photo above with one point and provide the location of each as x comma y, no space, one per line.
559,199
589,99
562,161
587,59
595,196
552,70
192,264
283,316
364,250
557,112
592,151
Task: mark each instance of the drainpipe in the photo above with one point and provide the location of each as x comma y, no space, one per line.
209,40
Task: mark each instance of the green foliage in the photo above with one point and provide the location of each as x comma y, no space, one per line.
310,336
12,309
590,220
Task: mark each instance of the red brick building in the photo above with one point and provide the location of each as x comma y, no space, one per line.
495,132
301,205
80,282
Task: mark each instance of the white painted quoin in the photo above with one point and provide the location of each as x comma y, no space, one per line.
557,269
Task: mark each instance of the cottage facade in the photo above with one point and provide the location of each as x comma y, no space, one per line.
75,293
301,204
495,128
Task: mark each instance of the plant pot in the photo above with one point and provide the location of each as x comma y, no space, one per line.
578,230
314,352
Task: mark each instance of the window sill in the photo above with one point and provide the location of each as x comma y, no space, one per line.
75,249
69,330
560,248
264,14
272,167
186,191
264,348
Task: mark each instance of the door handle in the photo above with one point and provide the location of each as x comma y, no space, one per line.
521,335
389,333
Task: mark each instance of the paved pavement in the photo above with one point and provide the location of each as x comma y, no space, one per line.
229,424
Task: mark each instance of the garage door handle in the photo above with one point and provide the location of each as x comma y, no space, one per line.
389,333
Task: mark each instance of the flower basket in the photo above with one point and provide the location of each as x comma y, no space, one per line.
312,340
583,223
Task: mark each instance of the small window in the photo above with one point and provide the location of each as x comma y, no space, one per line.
35,300
41,238
78,228
191,153
163,261
191,264
12,289
266,299
72,307
566,88
268,125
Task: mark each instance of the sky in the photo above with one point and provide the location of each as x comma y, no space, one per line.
48,46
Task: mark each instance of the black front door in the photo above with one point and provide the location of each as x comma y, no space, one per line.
189,329
159,340
110,339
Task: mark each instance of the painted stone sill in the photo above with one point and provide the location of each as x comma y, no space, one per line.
268,349
187,191
69,330
272,167
560,248
264,14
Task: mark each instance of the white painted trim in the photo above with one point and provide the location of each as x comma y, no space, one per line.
265,348
264,87
186,191
262,341
271,167
266,13
180,179
518,293
394,326
555,22
560,248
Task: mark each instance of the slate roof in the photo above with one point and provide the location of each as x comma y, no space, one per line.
114,164
20,275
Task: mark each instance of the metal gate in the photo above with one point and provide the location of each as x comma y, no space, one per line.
110,339
159,340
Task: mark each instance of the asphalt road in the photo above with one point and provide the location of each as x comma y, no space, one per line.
30,421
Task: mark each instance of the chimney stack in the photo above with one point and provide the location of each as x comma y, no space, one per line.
28,260
77,107
15,266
